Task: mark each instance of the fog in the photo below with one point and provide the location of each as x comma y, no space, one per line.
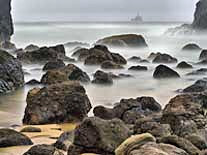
107,10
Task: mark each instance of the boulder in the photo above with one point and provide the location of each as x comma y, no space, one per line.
129,110
58,103
99,53
203,55
95,135
33,82
191,47
163,71
153,55
111,65
31,129
75,73
6,23
43,54
152,126
125,40
135,59
65,140
200,15
198,86
54,77
138,68
11,73
153,148
186,114
134,142
201,71
184,65
56,64
69,72
81,54
43,150
9,137
101,77
181,143
202,62
31,47
164,58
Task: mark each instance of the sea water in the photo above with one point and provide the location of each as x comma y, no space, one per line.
12,105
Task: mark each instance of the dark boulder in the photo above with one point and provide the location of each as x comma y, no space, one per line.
11,72
99,53
10,137
111,65
43,54
43,150
181,143
31,47
186,114
126,40
69,72
58,103
7,45
135,59
203,55
54,77
33,82
31,129
6,23
153,55
201,71
81,54
163,71
184,65
191,47
56,64
95,135
75,73
152,126
164,58
198,86
138,68
101,77
65,140
129,110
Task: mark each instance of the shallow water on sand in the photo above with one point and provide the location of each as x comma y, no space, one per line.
12,105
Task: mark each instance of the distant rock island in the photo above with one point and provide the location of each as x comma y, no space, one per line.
199,23
138,18
6,24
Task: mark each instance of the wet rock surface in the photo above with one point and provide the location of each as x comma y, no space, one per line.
100,53
11,73
9,137
164,58
43,150
101,77
128,40
191,47
163,71
51,65
138,68
184,65
43,54
58,103
95,135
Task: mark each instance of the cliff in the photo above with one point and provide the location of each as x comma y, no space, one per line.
6,24
200,16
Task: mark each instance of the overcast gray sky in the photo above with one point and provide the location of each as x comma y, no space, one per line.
105,10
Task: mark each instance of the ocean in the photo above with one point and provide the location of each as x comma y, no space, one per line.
47,34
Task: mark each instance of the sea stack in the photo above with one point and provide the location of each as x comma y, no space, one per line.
200,16
6,24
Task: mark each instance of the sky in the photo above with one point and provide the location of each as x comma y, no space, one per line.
105,10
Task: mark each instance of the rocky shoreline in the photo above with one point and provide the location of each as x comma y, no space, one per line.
132,126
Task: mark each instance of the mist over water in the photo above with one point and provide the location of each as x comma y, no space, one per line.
12,105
